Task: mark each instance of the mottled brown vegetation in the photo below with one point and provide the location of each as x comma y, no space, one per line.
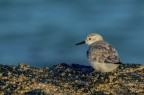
63,79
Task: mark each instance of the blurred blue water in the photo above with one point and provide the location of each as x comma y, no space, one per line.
44,32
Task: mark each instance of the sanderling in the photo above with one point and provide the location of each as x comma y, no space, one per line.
101,55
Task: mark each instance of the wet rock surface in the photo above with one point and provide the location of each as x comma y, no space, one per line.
75,79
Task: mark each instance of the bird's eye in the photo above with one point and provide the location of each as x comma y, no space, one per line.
89,38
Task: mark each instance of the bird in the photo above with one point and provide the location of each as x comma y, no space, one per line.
101,55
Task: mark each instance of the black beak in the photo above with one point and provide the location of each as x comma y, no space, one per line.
83,42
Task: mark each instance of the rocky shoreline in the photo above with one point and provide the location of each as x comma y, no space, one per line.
75,79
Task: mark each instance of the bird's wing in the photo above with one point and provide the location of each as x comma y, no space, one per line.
102,52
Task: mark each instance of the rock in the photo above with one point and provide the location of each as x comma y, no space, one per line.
75,79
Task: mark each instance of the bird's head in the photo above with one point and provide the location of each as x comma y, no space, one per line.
91,38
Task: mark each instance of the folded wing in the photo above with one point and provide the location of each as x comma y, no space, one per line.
102,52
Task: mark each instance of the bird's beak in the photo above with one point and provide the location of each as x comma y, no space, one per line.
83,42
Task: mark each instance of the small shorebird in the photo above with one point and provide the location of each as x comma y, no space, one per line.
101,55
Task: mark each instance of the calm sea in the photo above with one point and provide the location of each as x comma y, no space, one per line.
44,32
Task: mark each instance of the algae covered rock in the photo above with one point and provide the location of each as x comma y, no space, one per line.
75,79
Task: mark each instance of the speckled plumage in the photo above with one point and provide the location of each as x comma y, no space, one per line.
101,55
101,51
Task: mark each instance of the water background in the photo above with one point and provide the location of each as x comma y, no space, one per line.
44,32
